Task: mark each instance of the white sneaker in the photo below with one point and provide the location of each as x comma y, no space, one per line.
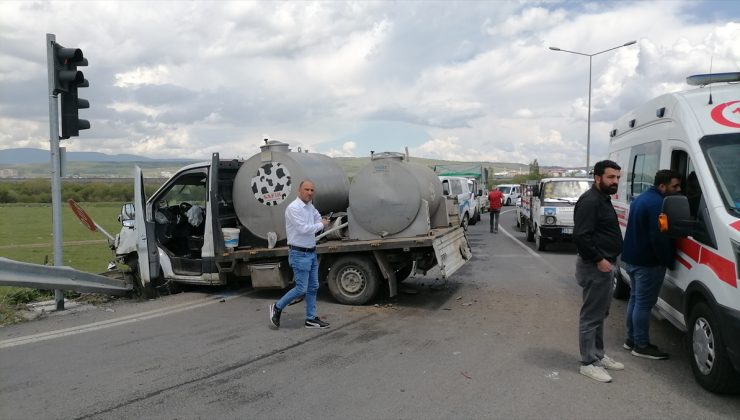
595,372
611,364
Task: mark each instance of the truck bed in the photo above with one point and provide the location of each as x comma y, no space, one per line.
347,245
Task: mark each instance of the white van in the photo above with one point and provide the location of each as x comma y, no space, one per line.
464,190
511,193
697,133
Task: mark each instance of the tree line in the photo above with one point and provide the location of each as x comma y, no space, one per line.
39,191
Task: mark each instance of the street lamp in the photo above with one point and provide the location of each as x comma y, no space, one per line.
588,135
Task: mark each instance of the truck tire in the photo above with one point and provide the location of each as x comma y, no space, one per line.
465,222
540,242
508,201
530,233
621,288
709,361
354,279
140,291
475,218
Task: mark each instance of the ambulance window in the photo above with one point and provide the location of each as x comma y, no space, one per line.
644,162
722,153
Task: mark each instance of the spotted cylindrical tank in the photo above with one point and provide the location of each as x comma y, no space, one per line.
268,181
387,195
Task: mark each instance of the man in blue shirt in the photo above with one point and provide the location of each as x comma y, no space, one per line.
647,253
302,222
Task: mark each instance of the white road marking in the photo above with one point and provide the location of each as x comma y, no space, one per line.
530,251
155,313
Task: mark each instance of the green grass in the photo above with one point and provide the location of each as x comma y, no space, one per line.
27,224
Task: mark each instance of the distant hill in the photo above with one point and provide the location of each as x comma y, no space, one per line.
34,163
29,155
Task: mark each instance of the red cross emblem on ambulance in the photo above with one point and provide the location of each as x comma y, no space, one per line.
727,114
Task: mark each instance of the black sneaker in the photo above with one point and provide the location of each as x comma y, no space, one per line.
629,345
275,315
316,323
649,352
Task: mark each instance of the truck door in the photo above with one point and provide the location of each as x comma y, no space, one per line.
146,246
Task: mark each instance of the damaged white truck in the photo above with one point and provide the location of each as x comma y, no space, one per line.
217,221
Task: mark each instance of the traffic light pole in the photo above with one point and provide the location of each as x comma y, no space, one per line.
56,167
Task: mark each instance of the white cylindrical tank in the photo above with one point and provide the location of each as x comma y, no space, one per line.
267,182
386,195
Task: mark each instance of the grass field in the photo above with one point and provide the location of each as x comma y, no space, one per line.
27,236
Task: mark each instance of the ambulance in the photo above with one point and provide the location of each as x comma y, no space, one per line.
696,133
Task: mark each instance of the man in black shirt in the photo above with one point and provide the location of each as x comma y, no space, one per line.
599,242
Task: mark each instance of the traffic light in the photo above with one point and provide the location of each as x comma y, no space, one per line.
66,81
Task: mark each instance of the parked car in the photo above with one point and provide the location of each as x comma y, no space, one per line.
511,193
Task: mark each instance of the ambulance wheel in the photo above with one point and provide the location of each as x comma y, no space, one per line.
621,288
709,362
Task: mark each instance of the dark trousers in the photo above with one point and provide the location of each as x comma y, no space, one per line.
494,213
597,289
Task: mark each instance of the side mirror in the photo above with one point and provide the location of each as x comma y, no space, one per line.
675,218
445,188
128,212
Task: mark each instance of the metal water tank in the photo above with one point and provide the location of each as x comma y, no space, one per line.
268,181
386,195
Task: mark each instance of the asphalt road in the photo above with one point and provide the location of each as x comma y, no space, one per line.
498,340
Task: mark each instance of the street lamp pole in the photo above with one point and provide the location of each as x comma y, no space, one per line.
590,65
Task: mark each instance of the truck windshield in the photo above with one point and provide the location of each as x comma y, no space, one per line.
723,154
565,190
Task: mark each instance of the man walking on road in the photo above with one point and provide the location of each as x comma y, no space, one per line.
495,201
599,241
647,253
302,222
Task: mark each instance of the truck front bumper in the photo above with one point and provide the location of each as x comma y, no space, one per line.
556,233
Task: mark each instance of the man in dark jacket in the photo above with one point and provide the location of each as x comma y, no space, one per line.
598,239
647,253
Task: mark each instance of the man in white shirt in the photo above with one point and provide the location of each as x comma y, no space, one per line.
302,222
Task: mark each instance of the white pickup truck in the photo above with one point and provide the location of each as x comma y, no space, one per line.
546,211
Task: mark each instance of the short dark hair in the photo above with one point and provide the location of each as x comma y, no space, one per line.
600,167
664,177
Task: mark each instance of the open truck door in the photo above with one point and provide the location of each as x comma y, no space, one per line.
146,244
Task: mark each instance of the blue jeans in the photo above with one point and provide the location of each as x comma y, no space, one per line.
305,267
646,284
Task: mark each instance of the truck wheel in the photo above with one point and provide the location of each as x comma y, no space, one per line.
404,272
508,201
354,280
140,291
621,288
540,242
530,234
465,222
709,361
475,218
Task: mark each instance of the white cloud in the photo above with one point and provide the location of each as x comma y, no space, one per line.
158,75
478,81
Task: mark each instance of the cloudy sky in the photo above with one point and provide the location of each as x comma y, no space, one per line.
471,80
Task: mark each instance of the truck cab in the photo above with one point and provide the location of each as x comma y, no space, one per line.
464,190
550,209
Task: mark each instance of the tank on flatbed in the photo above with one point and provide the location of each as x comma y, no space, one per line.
391,197
268,181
